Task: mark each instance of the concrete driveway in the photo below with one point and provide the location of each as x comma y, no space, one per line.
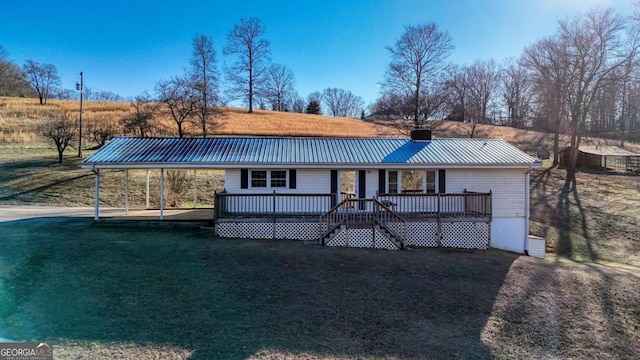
20,212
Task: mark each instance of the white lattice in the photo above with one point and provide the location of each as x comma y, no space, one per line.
362,238
418,233
245,230
297,231
340,239
262,230
465,235
383,242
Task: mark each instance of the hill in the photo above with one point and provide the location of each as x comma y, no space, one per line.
591,219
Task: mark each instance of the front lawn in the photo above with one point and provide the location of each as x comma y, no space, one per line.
118,292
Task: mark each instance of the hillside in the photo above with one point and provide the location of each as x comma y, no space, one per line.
593,219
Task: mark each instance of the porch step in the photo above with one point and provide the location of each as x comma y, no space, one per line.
311,242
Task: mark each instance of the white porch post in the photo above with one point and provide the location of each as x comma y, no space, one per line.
96,212
161,194
126,192
147,193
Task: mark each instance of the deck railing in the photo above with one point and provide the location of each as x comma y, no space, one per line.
409,206
270,205
467,204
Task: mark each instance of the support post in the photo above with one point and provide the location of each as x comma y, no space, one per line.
195,189
126,192
81,88
96,212
439,226
161,194
147,189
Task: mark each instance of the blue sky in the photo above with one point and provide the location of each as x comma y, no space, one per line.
127,46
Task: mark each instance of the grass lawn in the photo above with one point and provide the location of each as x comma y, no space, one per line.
109,292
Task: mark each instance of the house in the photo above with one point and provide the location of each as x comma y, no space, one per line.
375,192
606,157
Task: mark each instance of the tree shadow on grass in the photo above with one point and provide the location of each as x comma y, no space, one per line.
568,202
237,298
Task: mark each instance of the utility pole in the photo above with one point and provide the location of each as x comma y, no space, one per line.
80,87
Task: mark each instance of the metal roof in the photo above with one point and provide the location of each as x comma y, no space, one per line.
606,150
227,152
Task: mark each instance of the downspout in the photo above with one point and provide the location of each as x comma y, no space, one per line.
527,204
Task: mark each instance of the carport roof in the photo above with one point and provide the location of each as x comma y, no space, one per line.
234,152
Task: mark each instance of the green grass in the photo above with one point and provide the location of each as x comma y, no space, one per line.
96,291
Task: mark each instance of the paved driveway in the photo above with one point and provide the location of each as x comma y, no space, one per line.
19,212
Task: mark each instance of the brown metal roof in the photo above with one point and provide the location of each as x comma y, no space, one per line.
606,150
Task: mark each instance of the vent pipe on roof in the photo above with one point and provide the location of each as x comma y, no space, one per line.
421,133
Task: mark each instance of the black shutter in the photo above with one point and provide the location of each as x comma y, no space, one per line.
292,179
362,185
442,183
244,178
334,187
382,177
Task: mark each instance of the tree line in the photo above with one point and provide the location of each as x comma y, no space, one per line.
582,80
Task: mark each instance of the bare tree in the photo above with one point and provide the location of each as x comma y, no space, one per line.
12,81
204,79
516,94
278,87
180,102
340,102
297,102
60,128
248,72
457,87
597,48
483,82
548,60
418,59
140,119
43,78
101,131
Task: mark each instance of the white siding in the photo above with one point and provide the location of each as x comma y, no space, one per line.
308,181
507,186
509,234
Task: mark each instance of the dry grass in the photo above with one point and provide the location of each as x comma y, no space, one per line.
592,219
20,117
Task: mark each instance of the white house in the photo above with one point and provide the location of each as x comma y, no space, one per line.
377,192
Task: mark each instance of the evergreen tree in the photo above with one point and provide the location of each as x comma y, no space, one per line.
313,107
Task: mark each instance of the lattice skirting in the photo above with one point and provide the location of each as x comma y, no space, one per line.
269,230
423,234
465,235
362,238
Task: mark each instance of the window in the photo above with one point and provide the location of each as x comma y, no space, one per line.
269,178
412,181
278,178
431,182
393,182
259,178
